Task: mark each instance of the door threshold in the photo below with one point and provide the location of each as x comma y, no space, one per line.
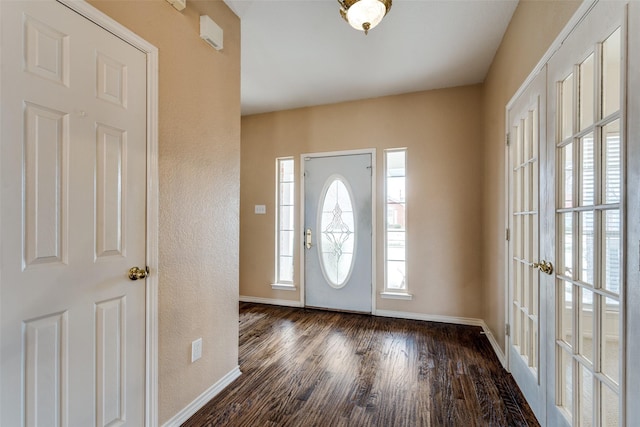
337,310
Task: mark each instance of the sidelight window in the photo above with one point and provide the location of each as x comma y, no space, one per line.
396,218
284,220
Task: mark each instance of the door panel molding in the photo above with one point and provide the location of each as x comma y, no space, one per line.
374,225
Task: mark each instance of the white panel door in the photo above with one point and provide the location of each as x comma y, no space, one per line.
73,177
527,284
337,218
587,145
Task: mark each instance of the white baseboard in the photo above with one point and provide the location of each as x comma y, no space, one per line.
449,319
201,400
430,317
494,344
271,301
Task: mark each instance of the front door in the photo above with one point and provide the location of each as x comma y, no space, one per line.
338,233
73,176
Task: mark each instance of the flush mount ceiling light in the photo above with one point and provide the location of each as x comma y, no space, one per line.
364,15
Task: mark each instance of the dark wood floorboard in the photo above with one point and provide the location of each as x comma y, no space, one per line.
318,368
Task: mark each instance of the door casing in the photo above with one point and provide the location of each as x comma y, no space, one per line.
372,152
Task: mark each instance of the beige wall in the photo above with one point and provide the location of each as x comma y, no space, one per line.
534,26
442,131
199,160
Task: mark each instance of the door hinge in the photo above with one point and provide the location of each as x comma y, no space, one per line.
507,235
507,330
370,170
507,138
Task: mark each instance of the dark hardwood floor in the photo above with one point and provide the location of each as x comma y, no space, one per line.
315,368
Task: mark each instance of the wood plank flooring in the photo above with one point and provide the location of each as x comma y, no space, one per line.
315,368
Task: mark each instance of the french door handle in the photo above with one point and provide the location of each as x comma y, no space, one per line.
307,238
544,266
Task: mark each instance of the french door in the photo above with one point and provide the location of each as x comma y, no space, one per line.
566,175
585,136
526,126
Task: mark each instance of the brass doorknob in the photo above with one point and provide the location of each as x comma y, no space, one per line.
544,266
136,273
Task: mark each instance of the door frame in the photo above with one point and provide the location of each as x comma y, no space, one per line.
372,152
152,208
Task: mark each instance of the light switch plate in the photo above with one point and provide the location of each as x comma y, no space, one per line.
260,209
196,350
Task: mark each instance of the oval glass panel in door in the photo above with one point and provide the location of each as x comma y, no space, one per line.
337,232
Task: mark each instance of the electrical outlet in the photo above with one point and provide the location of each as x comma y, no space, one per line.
196,350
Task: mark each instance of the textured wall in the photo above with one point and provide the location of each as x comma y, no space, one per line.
442,130
534,26
199,161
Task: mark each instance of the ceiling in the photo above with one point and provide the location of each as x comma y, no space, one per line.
298,53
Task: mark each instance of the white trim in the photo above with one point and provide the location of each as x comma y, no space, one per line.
271,301
202,400
396,295
374,228
456,320
283,287
151,283
494,344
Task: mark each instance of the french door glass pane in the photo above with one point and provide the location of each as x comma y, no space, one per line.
587,249
611,162
566,154
565,298
612,248
585,325
587,150
565,264
533,353
566,381
610,407
611,58
586,92
586,397
610,357
567,107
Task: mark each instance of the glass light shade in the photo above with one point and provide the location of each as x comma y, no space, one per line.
371,11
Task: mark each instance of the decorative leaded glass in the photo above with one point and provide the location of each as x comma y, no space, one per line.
337,228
